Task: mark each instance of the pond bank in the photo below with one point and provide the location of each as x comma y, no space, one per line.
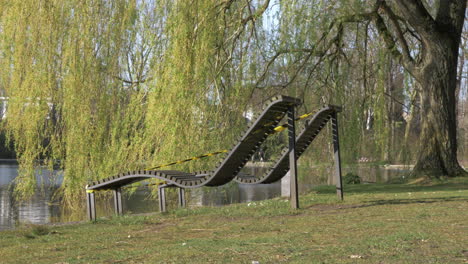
376,223
42,208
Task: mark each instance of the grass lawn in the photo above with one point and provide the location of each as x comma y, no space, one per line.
377,223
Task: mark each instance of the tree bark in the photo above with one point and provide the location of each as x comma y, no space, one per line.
437,74
438,141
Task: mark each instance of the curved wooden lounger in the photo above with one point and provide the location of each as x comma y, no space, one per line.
227,168
305,138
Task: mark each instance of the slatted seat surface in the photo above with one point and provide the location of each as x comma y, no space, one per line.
251,141
227,168
305,138
135,176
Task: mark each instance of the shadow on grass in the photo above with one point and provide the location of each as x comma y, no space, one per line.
415,201
453,185
389,202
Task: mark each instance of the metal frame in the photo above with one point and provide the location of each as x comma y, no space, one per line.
118,201
181,193
162,196
118,208
91,205
336,153
294,194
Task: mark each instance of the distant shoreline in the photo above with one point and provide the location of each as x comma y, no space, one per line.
270,163
8,161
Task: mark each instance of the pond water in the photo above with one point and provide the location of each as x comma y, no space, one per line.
43,208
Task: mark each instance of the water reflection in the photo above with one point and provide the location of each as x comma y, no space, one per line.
37,210
43,209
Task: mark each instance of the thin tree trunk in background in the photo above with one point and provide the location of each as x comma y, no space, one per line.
405,152
389,109
394,110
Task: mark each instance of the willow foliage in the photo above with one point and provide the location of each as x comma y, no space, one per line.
100,87
188,109
59,59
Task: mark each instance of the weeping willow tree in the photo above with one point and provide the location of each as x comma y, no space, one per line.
101,87
59,60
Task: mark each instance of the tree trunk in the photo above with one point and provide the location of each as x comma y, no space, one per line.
405,153
438,145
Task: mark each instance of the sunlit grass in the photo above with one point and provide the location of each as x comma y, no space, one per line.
377,223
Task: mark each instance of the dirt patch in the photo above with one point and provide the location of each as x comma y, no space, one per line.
333,207
423,181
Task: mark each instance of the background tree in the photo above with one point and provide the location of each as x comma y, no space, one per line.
424,37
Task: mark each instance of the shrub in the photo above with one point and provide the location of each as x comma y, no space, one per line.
33,231
351,178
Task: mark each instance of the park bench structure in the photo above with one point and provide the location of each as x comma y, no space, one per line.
229,167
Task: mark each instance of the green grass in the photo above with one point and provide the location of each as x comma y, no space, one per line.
377,223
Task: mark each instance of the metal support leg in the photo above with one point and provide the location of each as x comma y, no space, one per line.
162,198
91,206
294,195
336,148
118,201
181,197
